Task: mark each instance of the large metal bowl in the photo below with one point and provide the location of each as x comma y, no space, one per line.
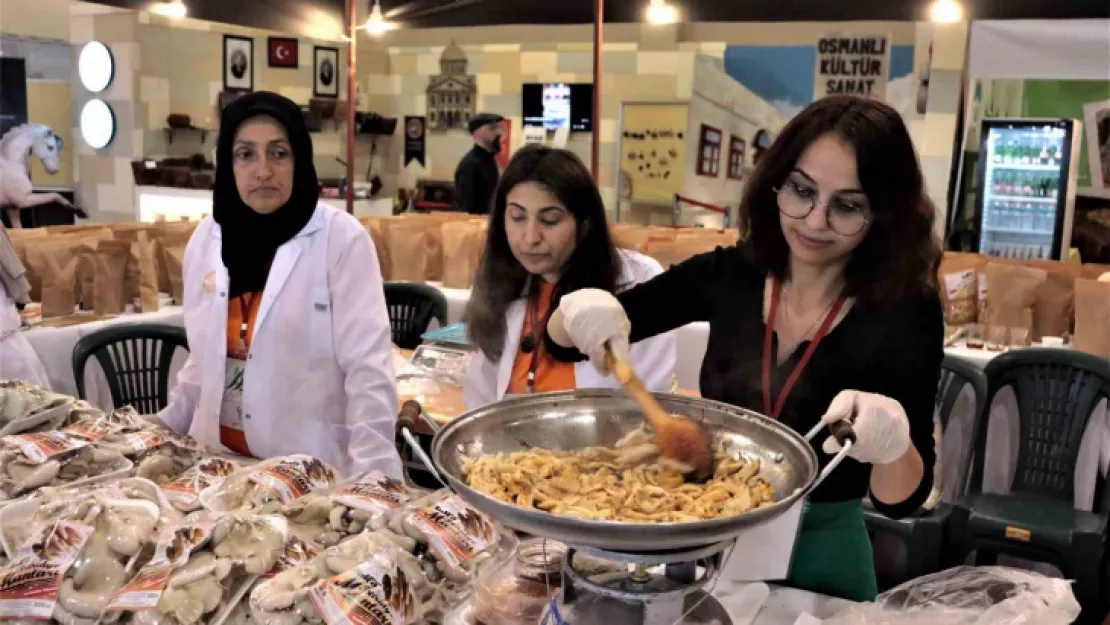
571,420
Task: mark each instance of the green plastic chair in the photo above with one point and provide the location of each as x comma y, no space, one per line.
921,537
412,306
1056,391
136,361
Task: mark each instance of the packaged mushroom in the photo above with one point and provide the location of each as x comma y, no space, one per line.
94,425
184,491
296,553
33,460
159,453
270,485
326,518
199,571
69,566
114,505
366,579
25,407
453,541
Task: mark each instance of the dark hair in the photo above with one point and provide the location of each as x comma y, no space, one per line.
502,279
900,254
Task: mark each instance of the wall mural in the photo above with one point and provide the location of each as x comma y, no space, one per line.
785,75
452,95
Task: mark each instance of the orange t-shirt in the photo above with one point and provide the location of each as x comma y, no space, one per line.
551,375
238,347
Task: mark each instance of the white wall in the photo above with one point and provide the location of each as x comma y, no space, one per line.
721,102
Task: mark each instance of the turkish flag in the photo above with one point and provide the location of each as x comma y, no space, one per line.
283,52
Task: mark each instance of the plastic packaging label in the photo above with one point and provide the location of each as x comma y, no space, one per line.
455,530
43,446
29,584
369,594
375,492
185,490
295,477
174,544
296,553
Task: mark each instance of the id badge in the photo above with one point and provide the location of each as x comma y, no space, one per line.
231,409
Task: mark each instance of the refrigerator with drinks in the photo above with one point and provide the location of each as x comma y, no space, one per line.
1026,200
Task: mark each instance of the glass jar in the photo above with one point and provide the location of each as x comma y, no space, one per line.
516,591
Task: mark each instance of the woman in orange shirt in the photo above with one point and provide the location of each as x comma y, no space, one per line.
547,236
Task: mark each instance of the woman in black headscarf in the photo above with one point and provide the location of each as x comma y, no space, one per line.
284,308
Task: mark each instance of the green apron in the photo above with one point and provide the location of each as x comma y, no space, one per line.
833,553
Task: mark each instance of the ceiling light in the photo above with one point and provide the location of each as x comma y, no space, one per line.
95,67
175,9
659,12
946,12
376,24
98,124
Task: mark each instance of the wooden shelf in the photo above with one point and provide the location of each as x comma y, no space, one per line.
170,132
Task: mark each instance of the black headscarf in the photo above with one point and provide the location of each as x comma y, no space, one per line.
250,239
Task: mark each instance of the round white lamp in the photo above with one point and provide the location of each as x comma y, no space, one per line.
98,124
95,66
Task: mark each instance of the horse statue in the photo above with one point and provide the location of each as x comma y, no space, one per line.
16,148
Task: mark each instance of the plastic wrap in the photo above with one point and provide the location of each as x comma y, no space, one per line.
434,379
25,407
325,518
74,551
31,461
184,492
160,454
968,595
268,486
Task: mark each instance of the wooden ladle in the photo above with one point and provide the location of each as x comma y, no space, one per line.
683,441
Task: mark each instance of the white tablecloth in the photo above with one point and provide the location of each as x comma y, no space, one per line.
54,347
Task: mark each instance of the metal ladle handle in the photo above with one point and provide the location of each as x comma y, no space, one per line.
844,434
406,422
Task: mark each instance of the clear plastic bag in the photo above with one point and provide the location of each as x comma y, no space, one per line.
968,595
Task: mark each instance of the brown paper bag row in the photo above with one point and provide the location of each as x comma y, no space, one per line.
413,247
1092,317
670,246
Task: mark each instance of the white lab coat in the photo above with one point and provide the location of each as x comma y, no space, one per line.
653,359
319,378
18,360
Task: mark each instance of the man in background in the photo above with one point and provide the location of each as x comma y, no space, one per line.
476,176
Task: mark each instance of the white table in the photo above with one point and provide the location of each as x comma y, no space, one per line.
54,347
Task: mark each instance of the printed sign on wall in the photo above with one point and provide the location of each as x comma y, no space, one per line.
857,64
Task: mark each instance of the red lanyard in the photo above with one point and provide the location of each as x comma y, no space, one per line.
536,334
768,348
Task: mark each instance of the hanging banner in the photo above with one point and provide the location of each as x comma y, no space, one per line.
415,139
857,64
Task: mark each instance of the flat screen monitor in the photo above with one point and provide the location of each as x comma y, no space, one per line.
558,105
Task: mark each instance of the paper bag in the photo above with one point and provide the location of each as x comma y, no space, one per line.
142,252
35,262
629,236
958,278
169,235
174,258
1092,317
409,249
463,244
111,268
375,227
1013,292
59,281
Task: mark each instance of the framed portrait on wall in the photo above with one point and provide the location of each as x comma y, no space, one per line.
238,63
325,63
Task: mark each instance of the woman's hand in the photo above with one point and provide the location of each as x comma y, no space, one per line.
882,429
592,318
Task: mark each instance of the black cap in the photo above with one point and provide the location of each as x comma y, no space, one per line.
481,119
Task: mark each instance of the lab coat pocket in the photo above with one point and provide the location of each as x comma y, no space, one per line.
320,327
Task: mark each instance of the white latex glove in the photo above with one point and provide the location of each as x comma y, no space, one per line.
882,429
592,318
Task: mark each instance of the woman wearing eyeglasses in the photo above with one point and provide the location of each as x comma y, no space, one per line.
827,311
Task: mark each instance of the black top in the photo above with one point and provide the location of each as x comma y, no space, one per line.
475,179
895,351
